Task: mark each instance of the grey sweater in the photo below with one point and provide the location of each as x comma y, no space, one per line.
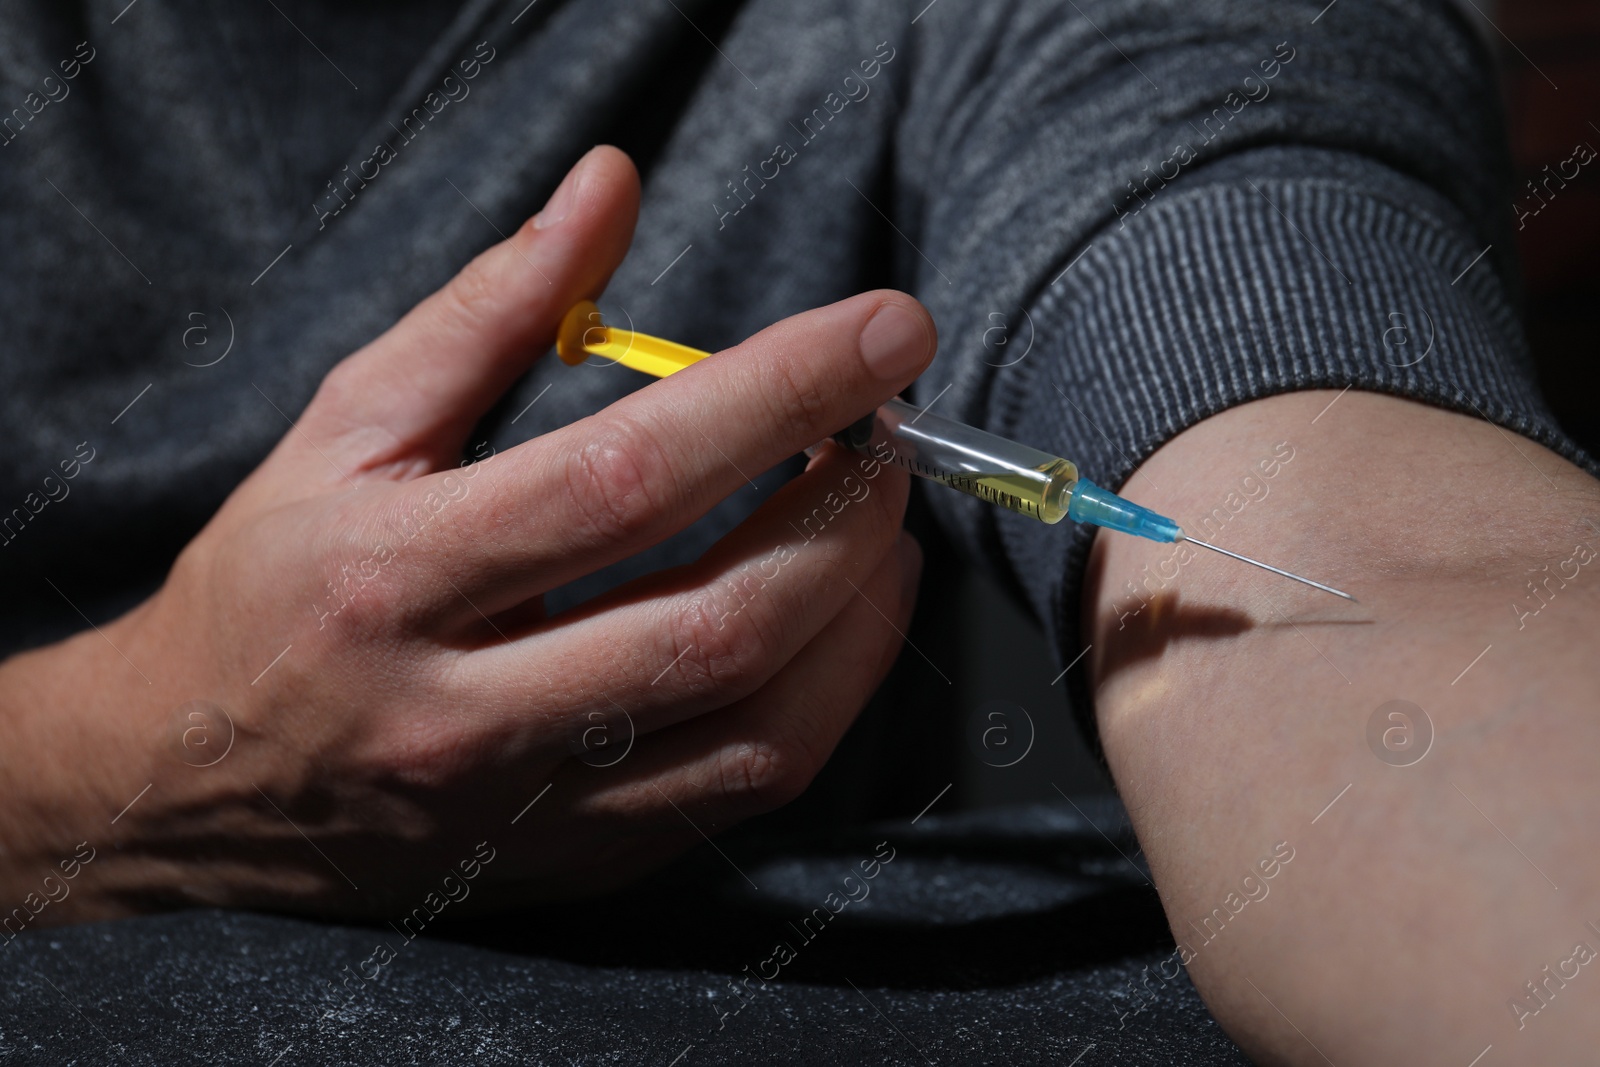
1125,215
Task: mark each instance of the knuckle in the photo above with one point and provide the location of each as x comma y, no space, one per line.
526,237
423,754
412,747
799,399
472,294
724,647
613,483
339,388
360,596
761,775
358,606
721,647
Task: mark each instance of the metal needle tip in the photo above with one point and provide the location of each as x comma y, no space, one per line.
1269,567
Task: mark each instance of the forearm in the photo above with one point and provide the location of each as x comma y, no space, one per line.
78,741
1235,708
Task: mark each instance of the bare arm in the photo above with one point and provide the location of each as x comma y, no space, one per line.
1235,709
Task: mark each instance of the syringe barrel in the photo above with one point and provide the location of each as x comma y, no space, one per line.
993,469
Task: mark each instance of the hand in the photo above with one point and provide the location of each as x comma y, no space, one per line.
368,617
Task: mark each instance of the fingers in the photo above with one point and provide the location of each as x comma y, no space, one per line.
763,751
677,644
610,485
407,400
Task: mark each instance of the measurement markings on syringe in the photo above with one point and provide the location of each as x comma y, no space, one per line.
972,486
1012,501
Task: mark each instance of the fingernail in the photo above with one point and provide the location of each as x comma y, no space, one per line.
894,343
564,198
910,568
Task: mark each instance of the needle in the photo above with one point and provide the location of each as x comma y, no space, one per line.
1268,567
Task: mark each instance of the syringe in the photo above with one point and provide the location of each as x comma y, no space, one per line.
972,461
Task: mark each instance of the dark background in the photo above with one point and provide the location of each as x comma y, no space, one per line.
1550,113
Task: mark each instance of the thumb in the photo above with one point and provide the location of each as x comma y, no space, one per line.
408,400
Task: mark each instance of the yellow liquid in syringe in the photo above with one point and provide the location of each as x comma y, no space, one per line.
1041,493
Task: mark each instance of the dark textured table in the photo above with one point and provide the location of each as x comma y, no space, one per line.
1008,936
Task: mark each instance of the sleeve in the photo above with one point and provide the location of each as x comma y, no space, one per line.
1129,216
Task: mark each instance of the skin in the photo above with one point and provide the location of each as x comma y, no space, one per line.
1235,708
399,737
424,716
